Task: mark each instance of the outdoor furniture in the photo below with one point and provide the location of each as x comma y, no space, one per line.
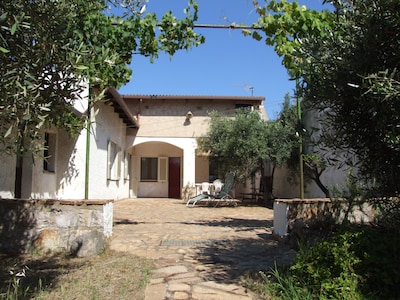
205,188
252,197
217,184
201,188
219,197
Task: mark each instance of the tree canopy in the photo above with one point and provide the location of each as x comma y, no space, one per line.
235,144
244,144
282,135
347,62
49,48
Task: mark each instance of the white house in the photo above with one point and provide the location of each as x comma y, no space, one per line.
137,146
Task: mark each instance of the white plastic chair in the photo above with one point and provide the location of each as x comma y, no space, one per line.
205,188
217,186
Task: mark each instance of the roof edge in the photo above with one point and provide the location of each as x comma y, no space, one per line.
191,97
118,100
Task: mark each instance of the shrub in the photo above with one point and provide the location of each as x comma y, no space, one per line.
358,262
378,250
328,268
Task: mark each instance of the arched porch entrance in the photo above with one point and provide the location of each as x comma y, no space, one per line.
157,170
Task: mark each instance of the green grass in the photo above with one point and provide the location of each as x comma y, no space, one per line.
112,275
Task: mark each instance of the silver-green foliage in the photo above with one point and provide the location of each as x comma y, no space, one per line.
50,49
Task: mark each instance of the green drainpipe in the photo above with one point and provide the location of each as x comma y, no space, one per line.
88,120
300,143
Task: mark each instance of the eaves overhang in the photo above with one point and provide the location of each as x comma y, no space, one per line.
121,108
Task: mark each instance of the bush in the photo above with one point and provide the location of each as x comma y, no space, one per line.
328,268
378,249
355,263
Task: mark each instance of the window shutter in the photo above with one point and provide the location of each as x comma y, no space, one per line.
109,160
162,169
113,161
118,157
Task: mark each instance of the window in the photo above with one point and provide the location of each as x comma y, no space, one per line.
243,106
49,162
154,169
148,168
114,161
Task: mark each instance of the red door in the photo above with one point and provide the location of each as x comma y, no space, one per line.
174,177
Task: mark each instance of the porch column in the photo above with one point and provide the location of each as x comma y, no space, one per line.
189,163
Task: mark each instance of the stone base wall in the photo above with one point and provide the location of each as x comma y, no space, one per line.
52,225
287,211
188,192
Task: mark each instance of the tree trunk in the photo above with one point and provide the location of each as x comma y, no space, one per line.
268,183
19,161
18,175
318,181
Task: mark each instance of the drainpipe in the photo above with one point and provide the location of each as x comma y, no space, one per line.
300,143
88,120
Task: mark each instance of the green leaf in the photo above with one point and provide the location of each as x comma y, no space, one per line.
14,28
256,36
4,50
3,17
82,67
9,131
78,39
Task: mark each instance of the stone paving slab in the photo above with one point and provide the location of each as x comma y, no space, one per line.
201,252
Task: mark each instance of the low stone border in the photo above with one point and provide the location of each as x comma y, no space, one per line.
287,211
55,225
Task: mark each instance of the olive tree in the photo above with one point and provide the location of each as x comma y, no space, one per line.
246,143
235,144
48,49
346,60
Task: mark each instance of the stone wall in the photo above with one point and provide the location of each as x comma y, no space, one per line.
53,225
287,211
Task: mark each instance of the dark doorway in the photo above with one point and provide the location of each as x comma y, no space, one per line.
174,177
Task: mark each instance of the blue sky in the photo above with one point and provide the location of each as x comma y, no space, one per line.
227,64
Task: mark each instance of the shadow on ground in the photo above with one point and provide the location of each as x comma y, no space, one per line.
238,224
28,274
226,261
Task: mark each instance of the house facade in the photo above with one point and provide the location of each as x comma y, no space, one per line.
135,146
163,148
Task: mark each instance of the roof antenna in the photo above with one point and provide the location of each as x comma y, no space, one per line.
248,87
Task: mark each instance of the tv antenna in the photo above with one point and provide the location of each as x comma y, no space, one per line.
248,87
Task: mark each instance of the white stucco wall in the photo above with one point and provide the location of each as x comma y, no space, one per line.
282,186
333,177
7,175
70,169
162,122
161,147
68,180
81,104
107,127
286,187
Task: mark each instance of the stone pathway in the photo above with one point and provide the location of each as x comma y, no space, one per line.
200,253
